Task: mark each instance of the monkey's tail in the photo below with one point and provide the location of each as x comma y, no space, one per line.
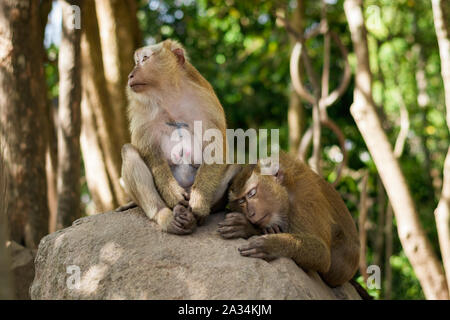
361,291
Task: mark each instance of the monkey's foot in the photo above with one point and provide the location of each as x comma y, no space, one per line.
183,221
236,225
128,206
256,248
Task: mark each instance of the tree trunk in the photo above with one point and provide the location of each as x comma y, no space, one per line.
423,101
296,121
117,29
380,234
412,236
362,223
441,13
69,118
388,250
51,164
22,112
6,282
51,155
94,164
101,149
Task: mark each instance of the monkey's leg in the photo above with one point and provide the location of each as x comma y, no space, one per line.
204,190
307,250
169,189
139,184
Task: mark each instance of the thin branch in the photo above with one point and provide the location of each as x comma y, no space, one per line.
307,139
326,70
341,138
345,81
295,75
362,222
304,144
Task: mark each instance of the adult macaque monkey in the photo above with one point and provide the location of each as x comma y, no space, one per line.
301,215
166,95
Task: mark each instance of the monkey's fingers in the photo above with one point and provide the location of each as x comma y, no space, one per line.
234,215
277,229
231,235
230,222
184,203
249,252
186,221
226,229
178,224
183,218
180,209
269,230
176,228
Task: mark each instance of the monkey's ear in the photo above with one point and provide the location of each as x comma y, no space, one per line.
269,167
279,175
179,53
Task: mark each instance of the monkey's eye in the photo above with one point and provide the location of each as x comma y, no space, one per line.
144,58
251,193
241,201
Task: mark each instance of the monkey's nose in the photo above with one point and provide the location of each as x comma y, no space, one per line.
131,75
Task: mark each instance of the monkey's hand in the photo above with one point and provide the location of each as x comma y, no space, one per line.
183,221
257,247
236,225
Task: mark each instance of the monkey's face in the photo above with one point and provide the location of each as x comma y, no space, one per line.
147,64
263,199
155,67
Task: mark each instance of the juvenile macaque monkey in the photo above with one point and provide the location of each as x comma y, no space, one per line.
301,215
160,167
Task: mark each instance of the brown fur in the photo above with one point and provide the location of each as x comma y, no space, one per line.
313,226
165,88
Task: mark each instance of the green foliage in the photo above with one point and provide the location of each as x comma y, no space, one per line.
405,284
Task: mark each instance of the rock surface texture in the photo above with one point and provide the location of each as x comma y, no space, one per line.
125,256
22,269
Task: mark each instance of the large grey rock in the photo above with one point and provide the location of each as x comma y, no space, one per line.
22,268
125,256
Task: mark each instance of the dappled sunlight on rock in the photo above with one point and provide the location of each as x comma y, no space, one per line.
110,253
91,279
125,256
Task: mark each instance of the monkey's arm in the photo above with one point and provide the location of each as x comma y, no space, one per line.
204,188
307,250
169,189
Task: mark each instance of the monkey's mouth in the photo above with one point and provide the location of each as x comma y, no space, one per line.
137,86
